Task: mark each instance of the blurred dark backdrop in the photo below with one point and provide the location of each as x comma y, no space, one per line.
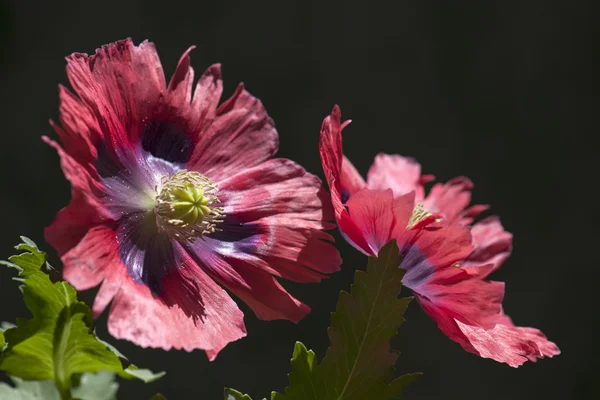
503,93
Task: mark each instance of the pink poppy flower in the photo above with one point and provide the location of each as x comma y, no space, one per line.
447,258
175,197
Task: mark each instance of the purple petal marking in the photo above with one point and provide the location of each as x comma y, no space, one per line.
418,270
147,253
164,140
131,185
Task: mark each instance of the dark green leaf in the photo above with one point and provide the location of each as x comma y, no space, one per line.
231,394
304,381
359,364
58,343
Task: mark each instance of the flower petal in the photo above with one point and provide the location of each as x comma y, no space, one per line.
206,99
87,264
80,131
507,343
441,244
276,188
342,177
180,85
275,213
350,179
504,342
147,253
121,83
451,199
92,261
83,212
242,135
376,215
452,292
257,288
491,244
400,174
192,312
330,149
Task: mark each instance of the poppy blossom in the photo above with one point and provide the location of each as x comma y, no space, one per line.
447,257
176,198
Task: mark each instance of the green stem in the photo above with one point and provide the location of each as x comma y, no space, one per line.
65,392
63,380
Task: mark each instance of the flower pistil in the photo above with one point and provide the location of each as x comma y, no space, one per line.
185,206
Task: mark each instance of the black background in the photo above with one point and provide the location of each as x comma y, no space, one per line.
502,92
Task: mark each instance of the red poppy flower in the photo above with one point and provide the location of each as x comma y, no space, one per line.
447,258
173,193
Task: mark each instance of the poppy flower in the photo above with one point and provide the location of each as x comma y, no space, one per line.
176,198
446,256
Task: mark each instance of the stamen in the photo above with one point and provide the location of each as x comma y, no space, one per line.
185,206
417,216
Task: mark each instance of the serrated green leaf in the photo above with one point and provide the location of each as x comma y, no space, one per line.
58,343
397,386
359,364
2,342
131,371
24,390
231,394
305,383
99,386
144,375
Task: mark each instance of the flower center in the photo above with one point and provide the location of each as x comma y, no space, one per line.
418,214
185,206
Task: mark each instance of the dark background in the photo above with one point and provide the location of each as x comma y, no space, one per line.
504,93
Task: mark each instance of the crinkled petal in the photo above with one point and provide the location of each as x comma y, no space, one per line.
506,342
121,84
454,293
192,113
400,174
276,188
491,244
92,259
257,288
440,244
296,254
451,199
83,212
342,177
275,213
330,149
79,131
241,135
192,312
180,85
206,100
